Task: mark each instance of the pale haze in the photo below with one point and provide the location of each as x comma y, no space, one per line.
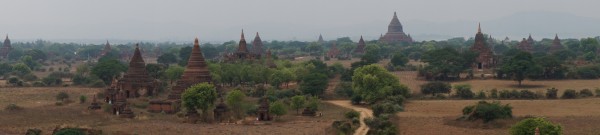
218,21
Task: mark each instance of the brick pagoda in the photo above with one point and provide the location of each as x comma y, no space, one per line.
556,45
485,60
360,47
5,49
395,32
136,82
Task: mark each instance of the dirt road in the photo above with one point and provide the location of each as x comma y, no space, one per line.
364,112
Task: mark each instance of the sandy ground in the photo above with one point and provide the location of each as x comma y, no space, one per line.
364,113
578,116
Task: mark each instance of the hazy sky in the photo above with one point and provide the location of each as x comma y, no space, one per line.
221,20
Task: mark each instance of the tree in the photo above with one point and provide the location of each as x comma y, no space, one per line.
15,54
108,69
519,66
487,111
235,99
373,83
435,87
5,68
21,69
528,127
314,84
36,54
442,63
199,96
156,71
27,60
62,96
184,55
174,72
278,108
371,55
551,67
298,102
399,59
167,58
464,91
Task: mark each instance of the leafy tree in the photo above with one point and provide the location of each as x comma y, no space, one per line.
174,72
36,54
209,51
27,60
314,84
184,55
5,68
155,70
278,108
82,99
399,59
373,83
167,58
298,102
464,91
62,96
371,55
13,81
21,69
528,127
280,77
199,96
487,111
15,54
442,63
519,66
235,99
435,87
108,69
551,67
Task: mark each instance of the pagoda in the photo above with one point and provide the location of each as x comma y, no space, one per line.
556,45
485,60
257,46
269,59
242,53
195,72
106,49
530,40
6,48
525,46
320,41
360,48
136,82
333,51
395,32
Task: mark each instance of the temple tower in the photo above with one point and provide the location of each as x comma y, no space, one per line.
257,46
556,45
136,81
269,61
106,49
525,46
6,48
485,60
333,51
530,40
320,41
395,32
360,47
195,72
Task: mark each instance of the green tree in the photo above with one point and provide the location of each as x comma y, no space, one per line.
167,58
28,60
373,83
5,68
235,99
36,54
464,91
199,96
21,69
519,66
281,76
184,55
528,127
399,59
174,72
371,55
15,54
314,84
298,102
278,108
435,87
108,69
442,63
62,96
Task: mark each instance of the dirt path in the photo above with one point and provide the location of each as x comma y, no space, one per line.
364,112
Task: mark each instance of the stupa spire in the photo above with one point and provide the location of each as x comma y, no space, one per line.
479,28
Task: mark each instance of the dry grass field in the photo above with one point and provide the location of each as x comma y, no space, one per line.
431,117
41,112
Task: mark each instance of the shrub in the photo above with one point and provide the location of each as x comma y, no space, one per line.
62,96
586,93
30,77
487,111
481,95
380,126
552,93
352,114
528,126
69,131
526,94
397,99
569,94
34,131
82,99
344,89
385,108
504,94
38,84
514,94
356,99
13,107
464,91
435,87
494,93
597,92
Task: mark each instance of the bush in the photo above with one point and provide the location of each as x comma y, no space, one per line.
526,94
494,93
62,96
435,87
13,107
380,126
504,94
487,111
352,114
30,77
38,84
356,99
569,94
397,99
481,95
514,94
344,89
385,108
528,126
69,131
597,92
586,93
552,93
82,99
34,131
464,91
